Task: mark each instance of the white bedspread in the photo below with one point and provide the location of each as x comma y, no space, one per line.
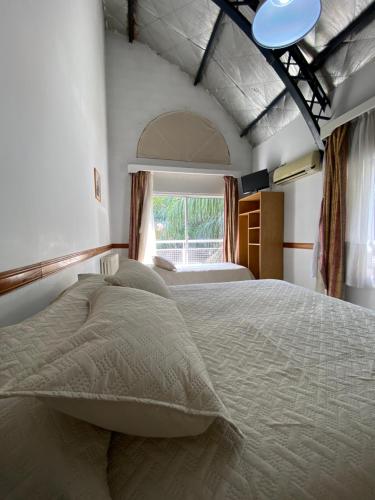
297,372
205,273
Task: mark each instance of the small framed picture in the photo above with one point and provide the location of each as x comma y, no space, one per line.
98,185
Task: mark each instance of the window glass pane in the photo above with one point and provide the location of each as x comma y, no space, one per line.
205,227
205,218
169,217
169,220
196,240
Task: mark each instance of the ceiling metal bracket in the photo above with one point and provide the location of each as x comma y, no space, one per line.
292,68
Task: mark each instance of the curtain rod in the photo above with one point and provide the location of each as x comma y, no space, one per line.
329,127
184,169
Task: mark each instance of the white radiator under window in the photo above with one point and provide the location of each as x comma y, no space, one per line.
109,264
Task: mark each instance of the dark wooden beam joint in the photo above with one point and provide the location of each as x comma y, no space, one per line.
253,4
131,20
209,48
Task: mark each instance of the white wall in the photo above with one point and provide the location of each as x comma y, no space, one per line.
303,197
141,86
212,185
52,135
358,88
301,211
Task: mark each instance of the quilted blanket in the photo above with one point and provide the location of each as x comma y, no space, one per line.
205,273
297,372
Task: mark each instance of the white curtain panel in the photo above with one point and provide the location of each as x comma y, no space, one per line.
360,232
147,241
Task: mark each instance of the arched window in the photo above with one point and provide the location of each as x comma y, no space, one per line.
183,136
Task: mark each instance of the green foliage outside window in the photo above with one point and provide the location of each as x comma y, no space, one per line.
204,217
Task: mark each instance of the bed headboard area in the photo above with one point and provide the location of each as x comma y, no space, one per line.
109,264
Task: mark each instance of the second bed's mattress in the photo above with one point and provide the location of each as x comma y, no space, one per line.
205,273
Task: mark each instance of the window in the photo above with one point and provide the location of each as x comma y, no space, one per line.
189,229
360,228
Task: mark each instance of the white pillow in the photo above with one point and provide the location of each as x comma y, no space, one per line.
134,274
163,263
132,367
48,455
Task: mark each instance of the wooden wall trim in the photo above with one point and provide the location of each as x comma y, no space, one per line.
120,245
21,276
15,278
303,246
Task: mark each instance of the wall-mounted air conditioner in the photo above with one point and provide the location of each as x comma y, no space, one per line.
306,165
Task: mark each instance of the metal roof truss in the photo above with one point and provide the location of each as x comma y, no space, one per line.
291,67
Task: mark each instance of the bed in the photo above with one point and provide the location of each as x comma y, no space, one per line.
205,273
300,385
296,371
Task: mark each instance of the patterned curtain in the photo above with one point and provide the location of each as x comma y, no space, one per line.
138,191
333,213
230,218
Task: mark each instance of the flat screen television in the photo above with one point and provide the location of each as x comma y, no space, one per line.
256,181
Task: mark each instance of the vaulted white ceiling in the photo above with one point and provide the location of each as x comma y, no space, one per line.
237,73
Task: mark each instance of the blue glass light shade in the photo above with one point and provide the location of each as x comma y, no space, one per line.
280,23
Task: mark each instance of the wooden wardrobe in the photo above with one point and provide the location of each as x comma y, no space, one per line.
261,234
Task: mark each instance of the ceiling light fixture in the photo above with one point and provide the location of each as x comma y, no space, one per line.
280,23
